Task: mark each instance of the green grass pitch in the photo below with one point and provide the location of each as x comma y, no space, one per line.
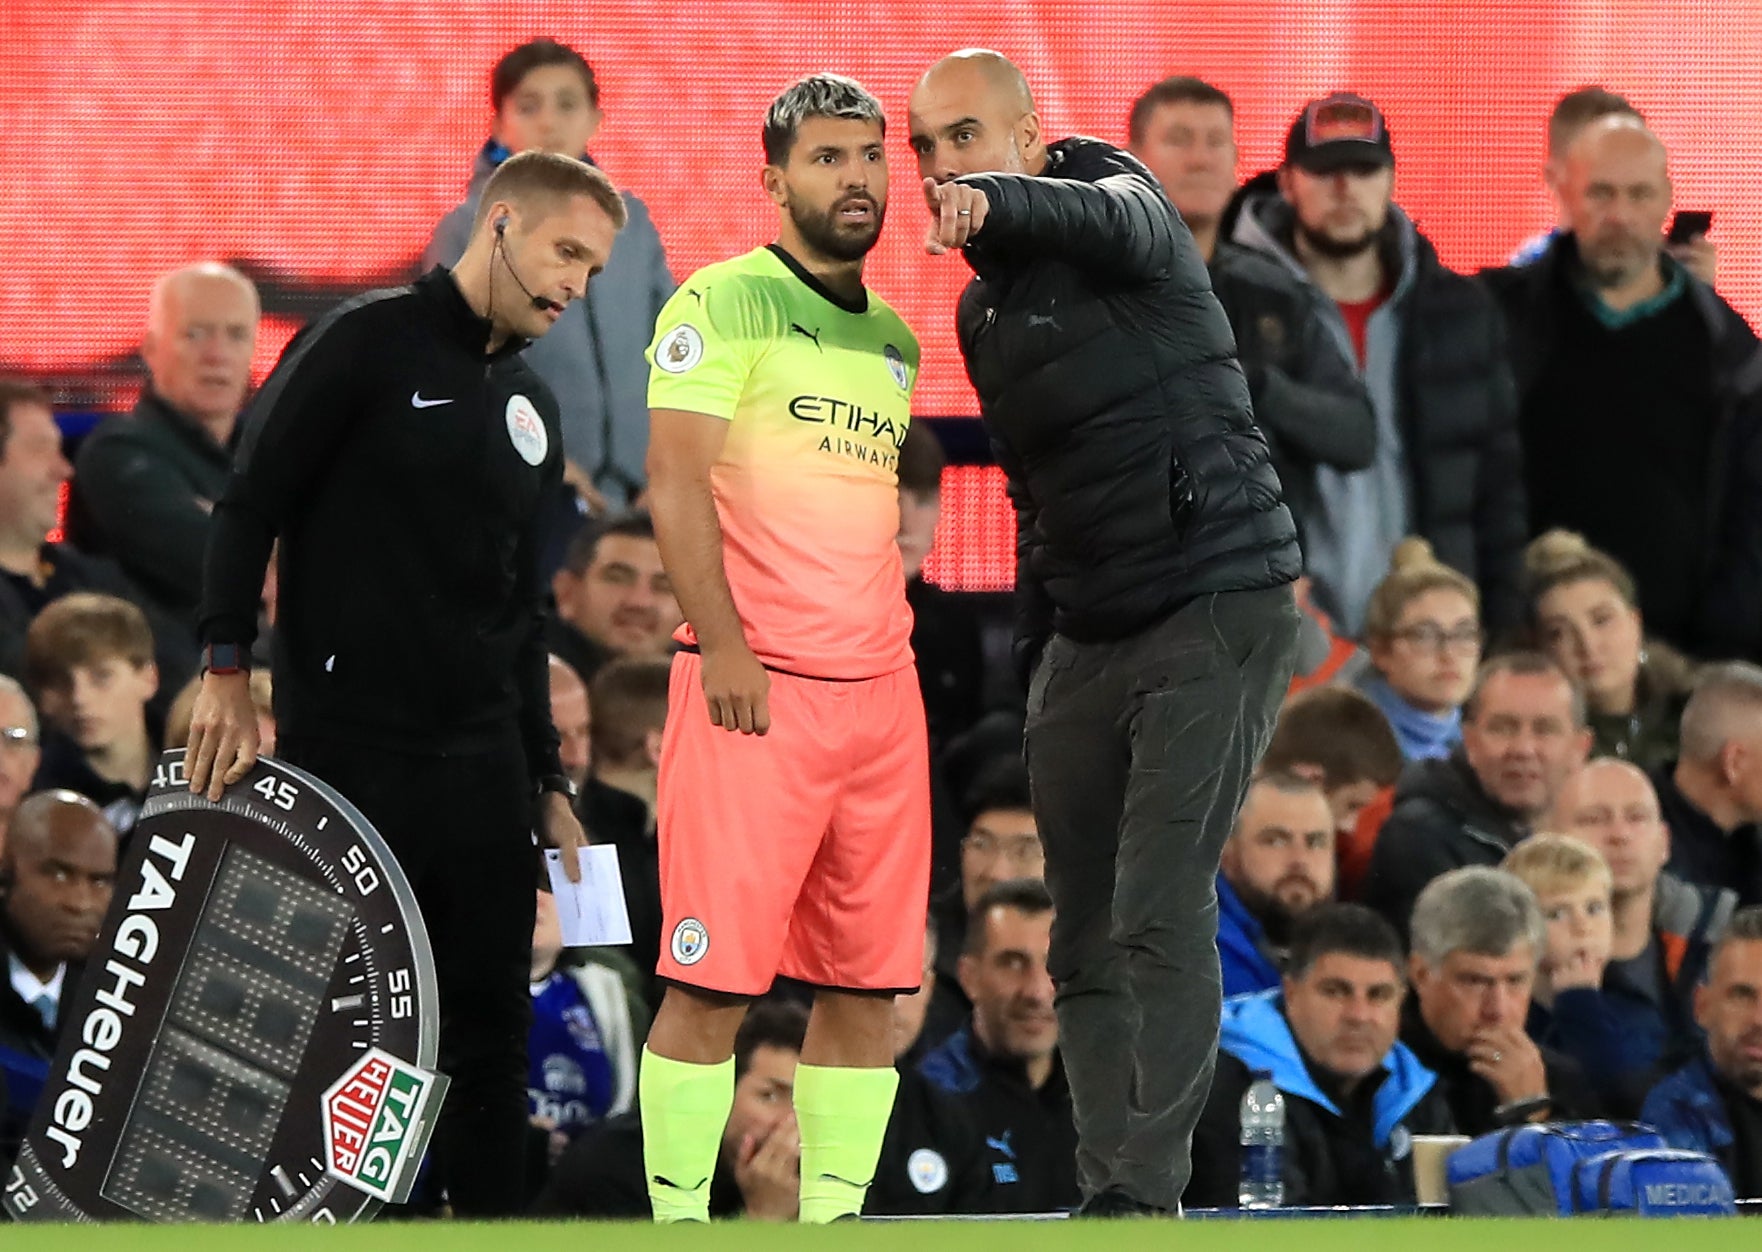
1367,1235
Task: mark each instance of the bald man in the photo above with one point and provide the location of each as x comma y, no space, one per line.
56,875
1640,396
1156,622
1664,927
145,485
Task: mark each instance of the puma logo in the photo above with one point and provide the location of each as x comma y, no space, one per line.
796,328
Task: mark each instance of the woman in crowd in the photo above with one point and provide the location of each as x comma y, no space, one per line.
1583,611
1423,628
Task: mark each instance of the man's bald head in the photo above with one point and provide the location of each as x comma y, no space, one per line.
972,112
201,332
996,72
1611,805
49,816
59,869
573,718
1616,193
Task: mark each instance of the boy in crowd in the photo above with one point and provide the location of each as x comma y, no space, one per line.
89,660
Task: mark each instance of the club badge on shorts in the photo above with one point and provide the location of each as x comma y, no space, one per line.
690,941
927,1170
681,350
526,430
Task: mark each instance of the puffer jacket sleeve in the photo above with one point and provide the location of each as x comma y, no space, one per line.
1120,225
1501,508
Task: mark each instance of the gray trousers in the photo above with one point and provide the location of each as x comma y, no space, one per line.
1140,751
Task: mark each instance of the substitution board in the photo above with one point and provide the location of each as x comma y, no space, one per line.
253,1037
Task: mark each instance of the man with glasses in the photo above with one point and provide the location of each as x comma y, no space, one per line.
1002,843
1523,735
19,750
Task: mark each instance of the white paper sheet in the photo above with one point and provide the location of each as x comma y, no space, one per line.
592,911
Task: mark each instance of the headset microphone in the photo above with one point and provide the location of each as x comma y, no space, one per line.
543,304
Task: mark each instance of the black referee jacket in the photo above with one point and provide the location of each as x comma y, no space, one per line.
402,468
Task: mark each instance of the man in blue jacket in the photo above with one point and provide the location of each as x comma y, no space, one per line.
1277,865
1354,1096
1715,1103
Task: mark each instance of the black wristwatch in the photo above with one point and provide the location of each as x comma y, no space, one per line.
562,784
225,658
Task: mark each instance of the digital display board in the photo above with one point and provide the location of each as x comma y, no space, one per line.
254,1034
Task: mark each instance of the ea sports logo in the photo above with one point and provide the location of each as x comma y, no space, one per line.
690,941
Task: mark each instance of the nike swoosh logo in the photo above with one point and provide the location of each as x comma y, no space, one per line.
671,1185
847,1182
417,402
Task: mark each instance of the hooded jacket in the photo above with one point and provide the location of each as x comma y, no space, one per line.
593,357
1244,955
1448,463
1333,1156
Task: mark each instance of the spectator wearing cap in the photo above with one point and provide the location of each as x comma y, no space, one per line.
1428,345
1649,385
1308,400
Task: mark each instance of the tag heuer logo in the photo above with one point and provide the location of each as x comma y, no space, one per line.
377,1119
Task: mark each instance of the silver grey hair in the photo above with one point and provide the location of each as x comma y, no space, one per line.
817,95
1726,705
11,686
1478,910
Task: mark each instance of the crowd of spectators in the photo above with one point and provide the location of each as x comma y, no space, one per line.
1501,862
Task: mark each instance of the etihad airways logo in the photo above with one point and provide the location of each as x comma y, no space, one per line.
847,416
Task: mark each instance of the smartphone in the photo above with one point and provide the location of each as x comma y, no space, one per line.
1686,224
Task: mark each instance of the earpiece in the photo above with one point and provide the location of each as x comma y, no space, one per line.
502,224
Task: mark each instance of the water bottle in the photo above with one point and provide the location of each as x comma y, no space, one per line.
1262,1184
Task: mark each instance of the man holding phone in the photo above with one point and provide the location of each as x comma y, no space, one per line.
1641,397
1687,237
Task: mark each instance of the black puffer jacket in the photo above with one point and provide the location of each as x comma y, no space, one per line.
1454,400
1107,378
1443,819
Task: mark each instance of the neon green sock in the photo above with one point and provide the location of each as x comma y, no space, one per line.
684,1111
843,1115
